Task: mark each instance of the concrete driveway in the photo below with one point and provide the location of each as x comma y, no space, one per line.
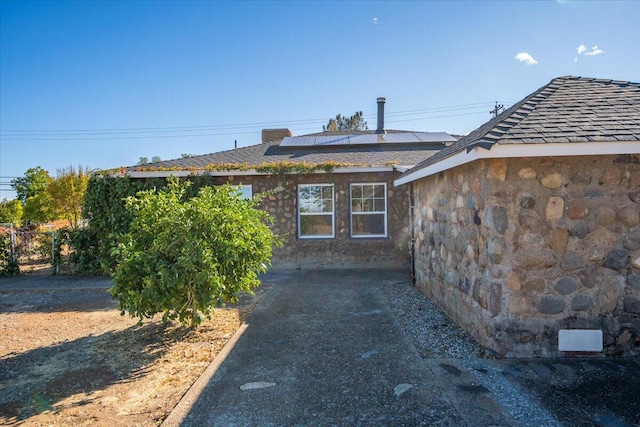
324,348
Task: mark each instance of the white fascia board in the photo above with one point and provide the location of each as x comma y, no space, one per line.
253,172
501,151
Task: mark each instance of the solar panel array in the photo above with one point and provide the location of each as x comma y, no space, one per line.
366,139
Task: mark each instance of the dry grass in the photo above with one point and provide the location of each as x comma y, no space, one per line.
63,366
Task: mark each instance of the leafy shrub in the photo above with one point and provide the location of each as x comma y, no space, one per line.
182,256
8,265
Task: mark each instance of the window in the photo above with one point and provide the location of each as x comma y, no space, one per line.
315,210
245,191
369,210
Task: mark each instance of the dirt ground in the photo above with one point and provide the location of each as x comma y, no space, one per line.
67,358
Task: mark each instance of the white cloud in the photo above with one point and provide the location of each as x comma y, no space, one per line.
582,50
376,21
594,51
526,58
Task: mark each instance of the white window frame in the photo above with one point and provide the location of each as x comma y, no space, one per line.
352,213
331,214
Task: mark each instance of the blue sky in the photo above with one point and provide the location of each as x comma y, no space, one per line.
101,84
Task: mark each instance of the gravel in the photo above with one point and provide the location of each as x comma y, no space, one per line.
433,333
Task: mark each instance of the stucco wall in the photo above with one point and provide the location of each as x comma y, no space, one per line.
343,250
516,249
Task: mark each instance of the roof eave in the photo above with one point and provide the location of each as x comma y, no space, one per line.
247,172
523,150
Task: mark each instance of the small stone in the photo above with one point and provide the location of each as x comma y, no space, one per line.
635,196
605,216
579,230
401,388
553,180
497,219
497,169
495,298
368,354
633,279
572,261
611,176
581,176
471,252
632,304
532,285
514,282
589,275
529,219
616,259
582,303
527,202
577,209
555,207
559,239
534,259
634,181
527,173
634,260
592,193
476,218
631,241
550,305
566,286
624,337
629,216
495,249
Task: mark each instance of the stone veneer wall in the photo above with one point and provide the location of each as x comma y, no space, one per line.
516,249
342,251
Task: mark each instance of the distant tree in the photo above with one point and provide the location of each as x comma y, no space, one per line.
39,208
11,212
145,161
186,155
34,182
67,193
355,123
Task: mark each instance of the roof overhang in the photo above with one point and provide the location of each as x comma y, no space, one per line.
247,172
501,151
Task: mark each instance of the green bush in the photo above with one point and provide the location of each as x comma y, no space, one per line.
182,256
8,266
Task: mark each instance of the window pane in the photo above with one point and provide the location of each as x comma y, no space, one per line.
378,205
327,206
316,225
368,225
367,205
356,191
379,191
327,192
367,191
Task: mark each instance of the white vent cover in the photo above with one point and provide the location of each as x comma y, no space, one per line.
579,340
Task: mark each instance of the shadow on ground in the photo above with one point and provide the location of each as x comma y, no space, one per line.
35,381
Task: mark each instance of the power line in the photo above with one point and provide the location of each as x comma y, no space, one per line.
68,134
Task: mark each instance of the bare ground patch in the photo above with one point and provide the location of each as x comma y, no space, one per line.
67,357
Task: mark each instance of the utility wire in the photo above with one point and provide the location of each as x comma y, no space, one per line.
69,134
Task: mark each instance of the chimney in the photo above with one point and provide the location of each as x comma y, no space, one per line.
380,128
269,135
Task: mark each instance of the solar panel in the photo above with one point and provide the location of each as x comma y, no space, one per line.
366,139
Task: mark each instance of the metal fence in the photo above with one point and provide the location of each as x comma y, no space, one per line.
32,250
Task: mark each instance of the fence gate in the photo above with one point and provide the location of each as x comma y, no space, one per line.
32,250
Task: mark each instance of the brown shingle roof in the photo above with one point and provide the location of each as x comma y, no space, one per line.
569,109
271,152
